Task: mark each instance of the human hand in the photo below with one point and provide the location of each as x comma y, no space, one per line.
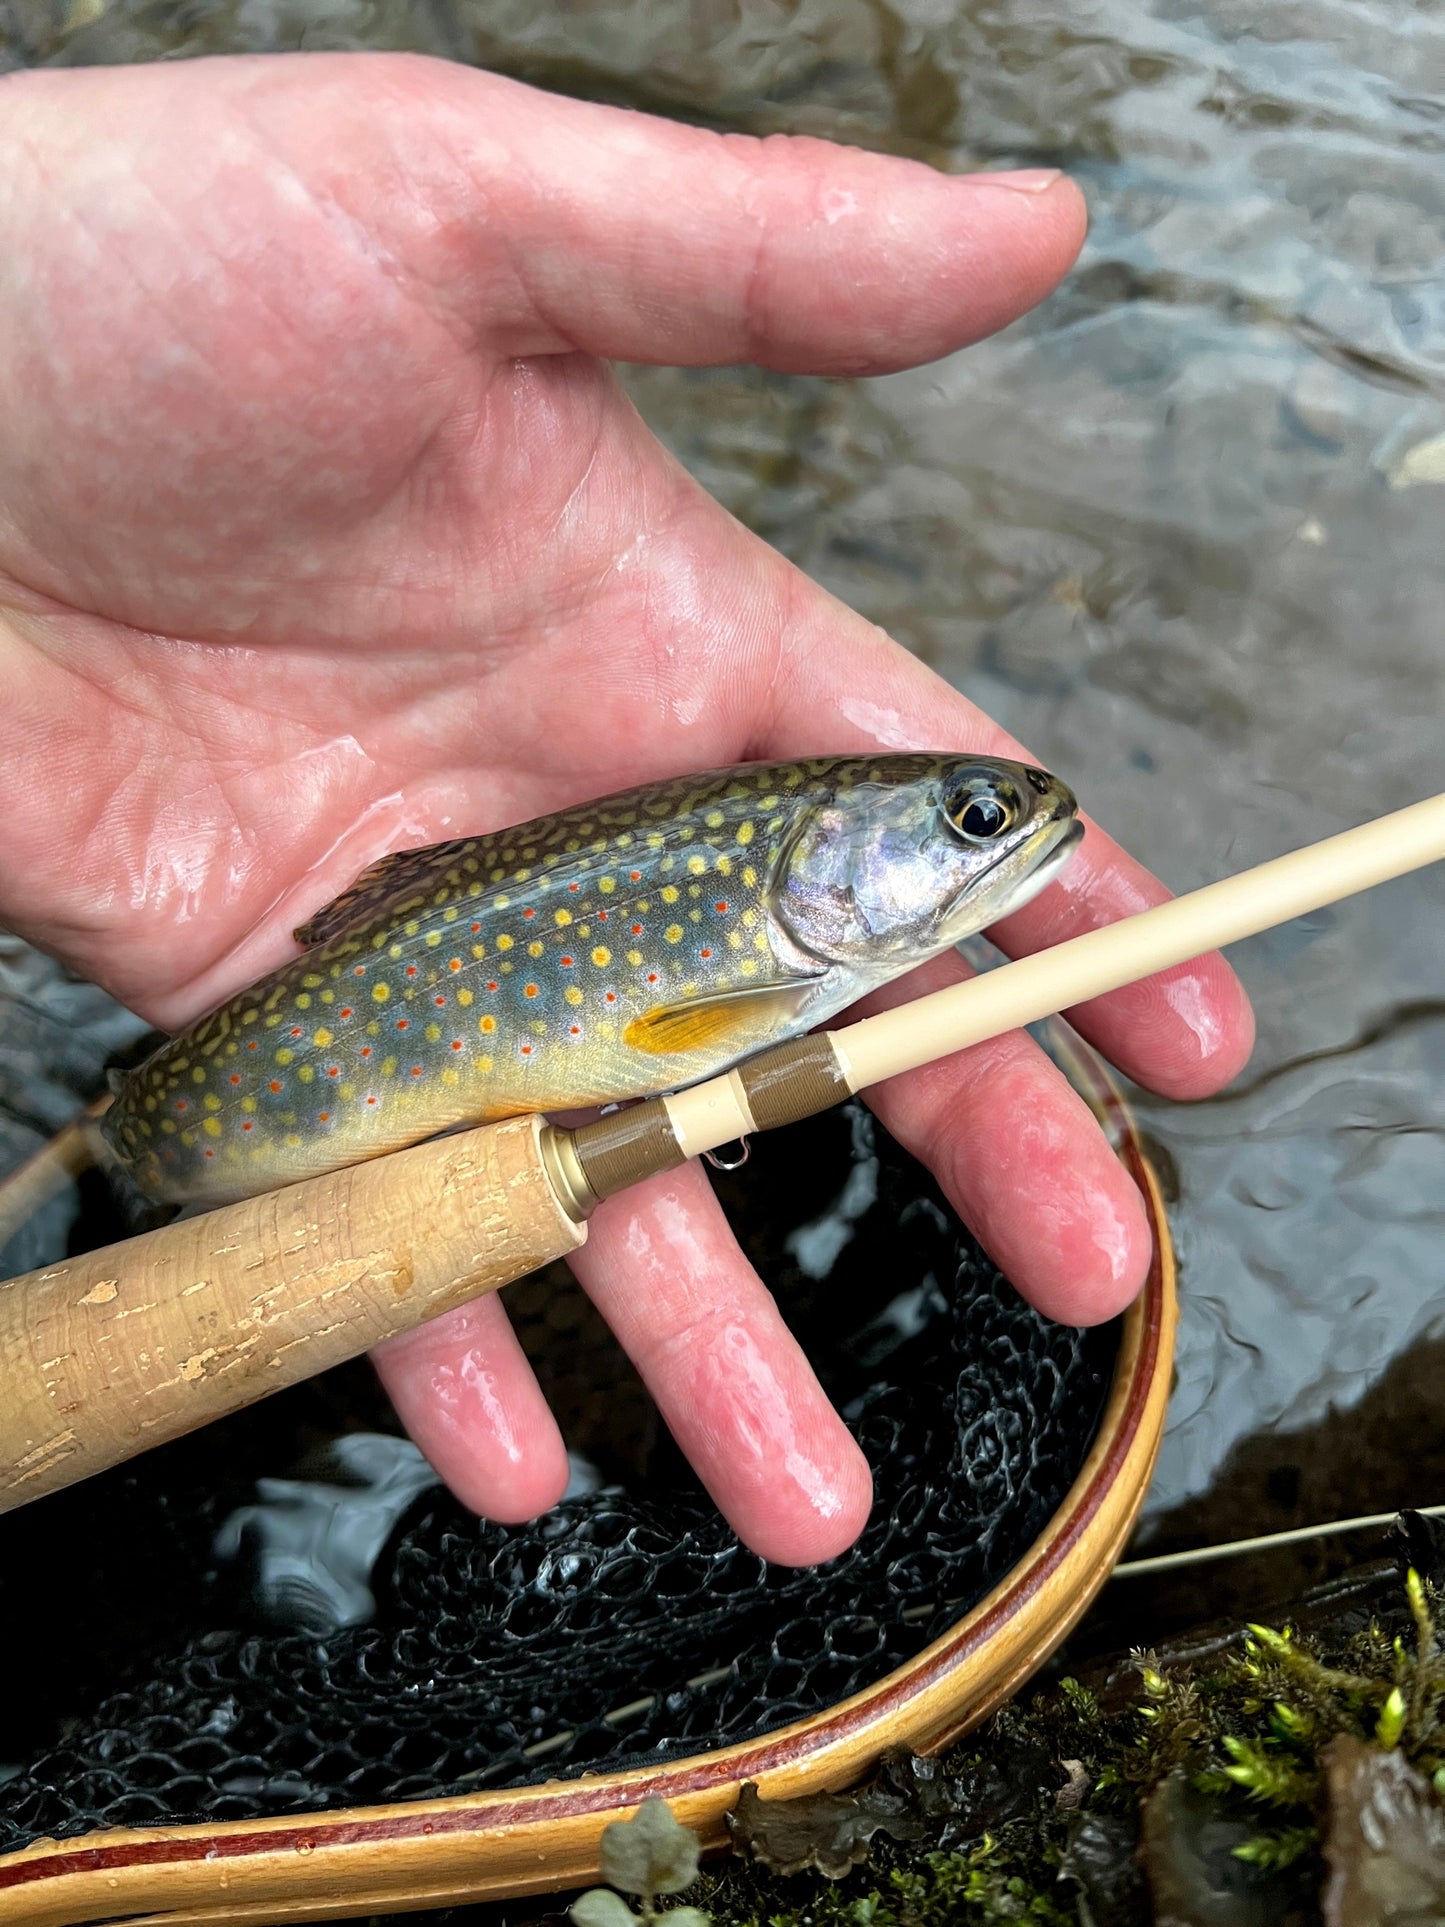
324,531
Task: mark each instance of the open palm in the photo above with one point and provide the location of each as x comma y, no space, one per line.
324,531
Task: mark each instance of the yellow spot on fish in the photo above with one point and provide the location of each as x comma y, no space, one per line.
479,950
564,917
433,1033
487,1025
539,1029
735,940
198,1075
380,993
760,941
601,956
747,968
725,866
607,885
248,1103
284,1056
388,1067
695,866
669,893
634,957
433,938
534,949
321,1039
293,1141
714,819
673,933
464,997
484,1064
449,1076
306,1073
504,943
213,1103
211,1126
168,1126
412,928
346,1092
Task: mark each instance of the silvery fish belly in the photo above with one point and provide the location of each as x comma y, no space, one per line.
622,948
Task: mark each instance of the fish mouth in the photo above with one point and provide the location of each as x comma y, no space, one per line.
1043,873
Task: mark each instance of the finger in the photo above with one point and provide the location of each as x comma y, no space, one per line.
844,684
728,1376
640,239
1023,1162
463,1389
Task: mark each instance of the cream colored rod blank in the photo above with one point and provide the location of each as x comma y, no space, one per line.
1085,967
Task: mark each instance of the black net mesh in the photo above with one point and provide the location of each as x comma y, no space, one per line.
626,1626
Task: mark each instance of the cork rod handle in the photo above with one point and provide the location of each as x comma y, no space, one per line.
107,1355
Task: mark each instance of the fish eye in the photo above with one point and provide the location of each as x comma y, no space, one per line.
982,811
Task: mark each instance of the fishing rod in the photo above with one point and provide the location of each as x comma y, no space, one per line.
106,1355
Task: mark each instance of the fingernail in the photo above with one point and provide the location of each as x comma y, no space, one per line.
1023,180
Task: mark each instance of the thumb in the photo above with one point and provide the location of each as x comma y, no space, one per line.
640,239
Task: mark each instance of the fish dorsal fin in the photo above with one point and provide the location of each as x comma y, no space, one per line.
732,1022
402,870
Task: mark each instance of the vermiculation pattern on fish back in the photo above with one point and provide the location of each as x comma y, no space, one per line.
481,978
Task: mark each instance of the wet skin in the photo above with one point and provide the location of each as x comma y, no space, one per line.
324,532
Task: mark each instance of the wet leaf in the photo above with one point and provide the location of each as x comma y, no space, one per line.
652,1853
1190,1854
828,1831
978,1797
600,1907
686,1917
1099,1861
1071,1793
1385,1845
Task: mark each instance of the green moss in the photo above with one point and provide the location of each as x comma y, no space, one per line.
1247,1730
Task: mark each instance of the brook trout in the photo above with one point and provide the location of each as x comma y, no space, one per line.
615,950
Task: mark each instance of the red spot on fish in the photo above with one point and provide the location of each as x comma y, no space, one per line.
253,1045
456,1043
652,976
181,1104
455,964
371,1100
602,916
612,996
235,1077
475,928
721,909
566,963
416,1070
411,970
323,1117
570,886
334,1070
635,876
529,990
295,1030
491,986
366,1050
438,1000
346,1010
403,1023
210,1154
704,953
246,1126
576,1030
526,1050
360,971
275,1084
637,929
529,913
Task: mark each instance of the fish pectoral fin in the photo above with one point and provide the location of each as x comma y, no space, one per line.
735,1020
383,878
